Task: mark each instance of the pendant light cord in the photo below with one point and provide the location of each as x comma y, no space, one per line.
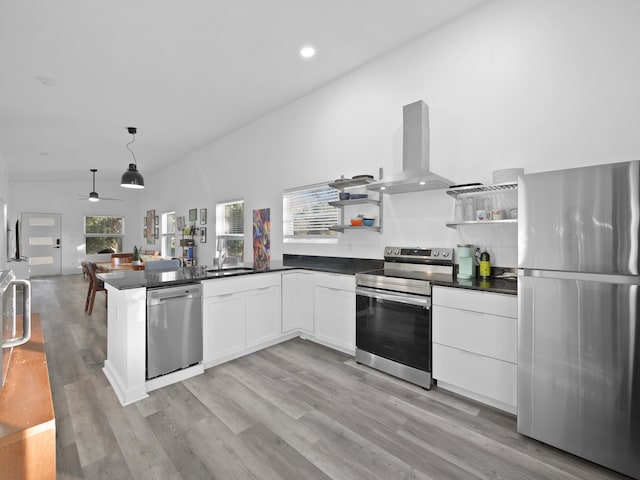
133,154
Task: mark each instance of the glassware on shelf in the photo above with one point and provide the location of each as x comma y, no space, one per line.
459,213
469,208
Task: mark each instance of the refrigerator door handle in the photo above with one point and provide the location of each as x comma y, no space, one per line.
579,276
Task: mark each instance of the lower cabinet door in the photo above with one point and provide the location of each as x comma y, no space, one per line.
297,302
335,318
262,315
223,326
486,379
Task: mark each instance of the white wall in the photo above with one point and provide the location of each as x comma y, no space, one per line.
4,202
536,84
58,197
542,85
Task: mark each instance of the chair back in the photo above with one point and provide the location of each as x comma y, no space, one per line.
162,265
91,271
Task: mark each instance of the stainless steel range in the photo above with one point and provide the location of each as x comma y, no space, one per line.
393,311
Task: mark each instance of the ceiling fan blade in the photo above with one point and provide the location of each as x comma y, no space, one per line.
107,198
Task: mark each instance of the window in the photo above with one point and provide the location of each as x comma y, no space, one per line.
230,229
103,234
307,213
168,228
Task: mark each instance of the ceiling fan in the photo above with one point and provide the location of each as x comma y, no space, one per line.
93,195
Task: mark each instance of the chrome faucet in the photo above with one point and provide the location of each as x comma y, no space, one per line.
221,253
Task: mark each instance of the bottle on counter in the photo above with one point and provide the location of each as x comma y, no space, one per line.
485,264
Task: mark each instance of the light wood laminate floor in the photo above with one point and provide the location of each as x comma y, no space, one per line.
293,411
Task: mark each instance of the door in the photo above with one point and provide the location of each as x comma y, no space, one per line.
334,317
579,366
223,328
395,328
581,220
263,315
41,233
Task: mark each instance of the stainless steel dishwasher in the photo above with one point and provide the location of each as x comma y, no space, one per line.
174,328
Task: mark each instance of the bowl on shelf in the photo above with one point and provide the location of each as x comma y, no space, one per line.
356,222
344,195
368,222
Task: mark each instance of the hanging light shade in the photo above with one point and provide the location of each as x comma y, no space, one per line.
132,177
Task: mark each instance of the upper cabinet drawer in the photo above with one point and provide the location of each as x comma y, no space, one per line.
484,302
240,283
336,281
482,333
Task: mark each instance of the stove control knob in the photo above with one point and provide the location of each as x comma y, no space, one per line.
387,251
445,254
396,251
435,253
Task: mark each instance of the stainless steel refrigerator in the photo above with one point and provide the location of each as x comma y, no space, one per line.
579,330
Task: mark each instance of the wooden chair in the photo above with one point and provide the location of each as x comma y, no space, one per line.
95,285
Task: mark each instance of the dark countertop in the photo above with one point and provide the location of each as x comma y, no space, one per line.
342,265
124,280
490,284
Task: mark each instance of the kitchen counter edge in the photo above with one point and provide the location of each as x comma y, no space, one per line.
349,266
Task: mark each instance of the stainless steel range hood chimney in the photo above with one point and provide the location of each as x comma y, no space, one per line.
415,175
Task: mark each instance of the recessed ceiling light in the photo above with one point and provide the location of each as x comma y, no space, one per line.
45,81
307,51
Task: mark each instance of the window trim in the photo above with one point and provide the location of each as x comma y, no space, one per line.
163,222
287,217
100,235
220,226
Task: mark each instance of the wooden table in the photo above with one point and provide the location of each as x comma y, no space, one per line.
27,423
119,267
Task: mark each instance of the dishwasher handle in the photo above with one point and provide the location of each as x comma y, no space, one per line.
161,295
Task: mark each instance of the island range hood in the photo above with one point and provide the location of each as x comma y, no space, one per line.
415,175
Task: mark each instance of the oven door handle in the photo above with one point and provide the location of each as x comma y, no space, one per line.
418,301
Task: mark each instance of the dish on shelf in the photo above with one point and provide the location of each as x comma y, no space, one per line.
356,196
356,222
344,195
356,177
368,222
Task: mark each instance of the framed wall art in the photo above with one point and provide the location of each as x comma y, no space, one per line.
203,216
151,221
203,234
193,214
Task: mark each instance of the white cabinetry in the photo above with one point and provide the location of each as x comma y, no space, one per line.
240,315
334,311
263,313
297,302
475,345
223,325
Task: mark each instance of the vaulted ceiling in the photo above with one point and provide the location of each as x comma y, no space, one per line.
75,74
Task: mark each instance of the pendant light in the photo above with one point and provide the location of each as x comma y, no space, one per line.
132,178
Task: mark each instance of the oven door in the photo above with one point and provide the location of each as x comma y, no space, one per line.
395,326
